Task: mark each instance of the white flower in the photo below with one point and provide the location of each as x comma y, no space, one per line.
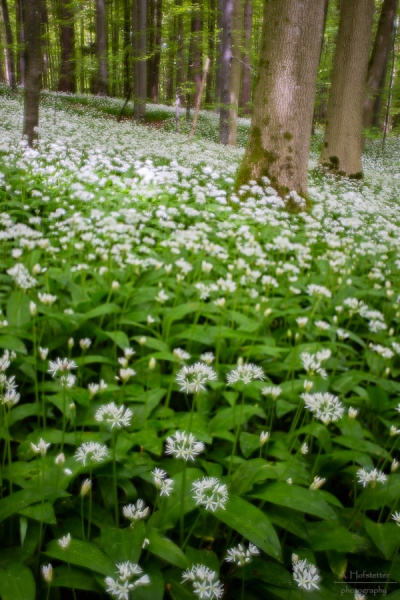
33,308
394,431
305,574
43,352
126,374
67,381
396,518
47,573
181,354
353,412
86,487
41,448
65,541
373,477
317,483
162,482
60,459
61,365
204,581
121,587
152,363
264,437
207,357
302,321
240,555
92,451
394,466
93,389
325,406
182,445
318,290
113,415
136,512
47,299
312,362
85,343
247,372
274,391
210,493
194,378
304,449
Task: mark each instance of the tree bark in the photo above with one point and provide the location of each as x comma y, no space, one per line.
218,58
10,60
20,14
154,35
225,66
197,32
127,48
67,81
211,18
235,70
139,19
343,141
101,84
33,70
280,133
246,72
180,59
379,57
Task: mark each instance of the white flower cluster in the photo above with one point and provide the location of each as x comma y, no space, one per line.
312,362
325,406
205,582
241,555
91,451
61,365
162,482
183,445
122,586
113,415
136,512
370,477
247,372
305,574
210,493
193,379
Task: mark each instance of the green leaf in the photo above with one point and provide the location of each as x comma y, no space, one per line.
12,343
229,418
103,309
386,536
203,557
17,310
249,443
252,523
251,472
82,554
79,580
122,544
165,548
325,535
298,498
155,589
40,512
17,583
23,498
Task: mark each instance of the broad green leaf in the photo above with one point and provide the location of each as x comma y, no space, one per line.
121,545
149,440
103,309
229,418
203,557
298,498
119,338
17,309
79,580
24,411
172,504
17,583
325,535
251,472
82,554
155,589
361,446
165,548
40,512
23,498
252,523
386,536
12,343
249,443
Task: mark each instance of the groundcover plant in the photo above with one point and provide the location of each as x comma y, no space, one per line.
199,395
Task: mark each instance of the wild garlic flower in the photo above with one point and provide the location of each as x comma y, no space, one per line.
382,350
41,448
305,574
207,357
302,321
60,459
319,291
125,374
312,362
247,372
326,407
210,493
85,343
113,415
394,466
61,365
47,299
129,352
304,448
162,482
240,555
86,487
181,354
264,437
122,586
394,431
373,477
396,518
183,445
5,362
317,483
204,581
65,541
352,412
10,397
43,352
273,390
194,378
136,512
67,381
47,573
91,451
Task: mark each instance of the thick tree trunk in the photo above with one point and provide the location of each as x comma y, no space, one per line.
235,70
10,60
127,48
226,55
197,26
33,70
154,34
101,84
279,140
343,142
379,58
246,72
67,82
139,19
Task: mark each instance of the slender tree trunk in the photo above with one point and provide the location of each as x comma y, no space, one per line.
218,61
101,86
280,133
235,70
379,57
10,60
115,25
343,141
226,56
151,42
246,72
127,48
211,50
67,82
20,13
180,59
154,34
33,71
197,27
139,20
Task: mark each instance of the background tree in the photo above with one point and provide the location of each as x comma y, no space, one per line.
67,82
226,8
235,70
246,59
33,70
9,54
343,142
101,78
280,133
139,21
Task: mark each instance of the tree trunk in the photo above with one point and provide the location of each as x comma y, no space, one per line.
20,13
246,72
180,60
197,33
33,70
139,19
154,34
379,57
280,133
235,70
127,48
218,58
67,82
226,55
343,141
10,60
101,84
211,51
